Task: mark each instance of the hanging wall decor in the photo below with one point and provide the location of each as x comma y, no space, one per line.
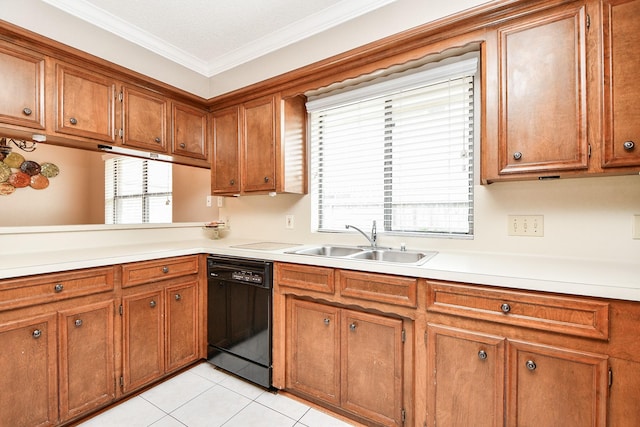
17,172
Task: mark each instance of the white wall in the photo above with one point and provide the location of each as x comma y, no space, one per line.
583,217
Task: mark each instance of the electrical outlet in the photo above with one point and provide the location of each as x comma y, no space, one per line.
220,201
526,225
636,227
289,221
209,201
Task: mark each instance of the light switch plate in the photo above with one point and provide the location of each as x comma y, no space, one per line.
526,225
635,233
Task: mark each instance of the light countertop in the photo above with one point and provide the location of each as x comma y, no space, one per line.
571,276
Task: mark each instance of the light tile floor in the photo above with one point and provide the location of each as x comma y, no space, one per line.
207,397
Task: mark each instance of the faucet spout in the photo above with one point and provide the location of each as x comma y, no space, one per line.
373,240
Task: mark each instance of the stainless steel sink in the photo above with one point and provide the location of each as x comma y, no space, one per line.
325,250
408,257
361,253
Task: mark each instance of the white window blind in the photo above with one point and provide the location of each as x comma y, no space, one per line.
137,191
399,152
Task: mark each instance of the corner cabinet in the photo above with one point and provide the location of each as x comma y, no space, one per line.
225,168
560,97
189,131
259,147
21,87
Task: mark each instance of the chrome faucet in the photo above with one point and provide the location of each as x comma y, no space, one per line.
373,240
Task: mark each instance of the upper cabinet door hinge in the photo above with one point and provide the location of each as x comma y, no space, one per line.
121,310
589,150
120,133
588,21
120,96
403,415
403,335
610,377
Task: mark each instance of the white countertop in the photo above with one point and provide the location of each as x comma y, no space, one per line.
562,275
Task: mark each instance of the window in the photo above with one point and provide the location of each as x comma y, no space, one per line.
137,191
399,152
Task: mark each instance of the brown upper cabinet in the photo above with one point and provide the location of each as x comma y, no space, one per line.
85,103
621,53
22,90
144,122
225,168
259,147
553,106
189,125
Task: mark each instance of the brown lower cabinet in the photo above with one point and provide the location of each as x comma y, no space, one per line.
76,341
347,358
160,332
86,358
29,381
58,365
472,375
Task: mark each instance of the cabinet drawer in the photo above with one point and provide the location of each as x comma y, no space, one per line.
378,287
305,277
139,273
27,291
567,315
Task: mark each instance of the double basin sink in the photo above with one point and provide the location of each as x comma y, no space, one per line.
368,253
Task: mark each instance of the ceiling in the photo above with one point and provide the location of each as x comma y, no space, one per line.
212,36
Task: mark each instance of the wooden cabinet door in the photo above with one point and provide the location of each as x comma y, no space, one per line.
143,336
543,99
181,324
466,378
189,136
28,382
144,120
548,387
225,168
259,145
621,52
21,87
314,352
372,366
86,358
85,103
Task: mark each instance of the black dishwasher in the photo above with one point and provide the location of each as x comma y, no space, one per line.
239,317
